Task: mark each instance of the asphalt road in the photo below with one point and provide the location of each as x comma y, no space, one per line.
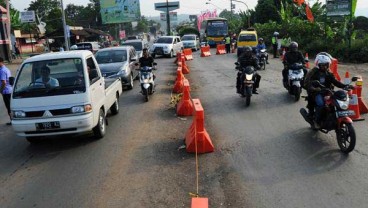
265,154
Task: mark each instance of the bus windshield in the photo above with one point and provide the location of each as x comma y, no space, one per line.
217,28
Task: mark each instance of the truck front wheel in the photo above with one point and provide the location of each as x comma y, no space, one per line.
100,129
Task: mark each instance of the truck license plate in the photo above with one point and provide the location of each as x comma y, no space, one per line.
48,125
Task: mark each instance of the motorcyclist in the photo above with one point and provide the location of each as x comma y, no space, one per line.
322,74
261,45
146,60
248,59
292,56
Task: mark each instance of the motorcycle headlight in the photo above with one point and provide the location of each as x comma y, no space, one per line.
145,81
81,109
248,76
343,104
19,114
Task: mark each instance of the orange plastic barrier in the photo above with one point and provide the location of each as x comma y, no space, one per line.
185,105
179,82
188,54
199,202
184,66
362,105
197,134
178,56
220,49
205,51
334,70
354,106
307,58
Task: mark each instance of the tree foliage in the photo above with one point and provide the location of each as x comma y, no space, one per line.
266,11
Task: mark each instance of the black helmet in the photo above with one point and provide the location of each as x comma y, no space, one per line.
248,51
293,46
340,95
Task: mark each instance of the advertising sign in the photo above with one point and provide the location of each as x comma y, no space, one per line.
338,7
122,34
173,16
27,16
119,11
167,6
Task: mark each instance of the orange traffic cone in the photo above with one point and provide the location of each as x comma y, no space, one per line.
347,78
307,58
354,106
362,105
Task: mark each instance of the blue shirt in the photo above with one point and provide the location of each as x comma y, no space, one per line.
260,47
4,75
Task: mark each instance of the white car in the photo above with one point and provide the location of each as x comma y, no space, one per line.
166,46
191,41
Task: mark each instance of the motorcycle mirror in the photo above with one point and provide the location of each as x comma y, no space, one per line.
354,79
154,63
136,64
236,63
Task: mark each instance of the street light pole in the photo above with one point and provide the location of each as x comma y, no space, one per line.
167,17
65,29
247,9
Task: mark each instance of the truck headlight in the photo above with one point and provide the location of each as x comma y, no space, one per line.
19,114
81,108
166,47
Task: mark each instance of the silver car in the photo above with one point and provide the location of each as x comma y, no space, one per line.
138,46
118,62
191,41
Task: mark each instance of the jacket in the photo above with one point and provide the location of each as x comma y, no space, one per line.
315,74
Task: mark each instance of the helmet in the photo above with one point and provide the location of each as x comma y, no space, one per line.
321,54
275,33
323,62
260,39
74,47
293,46
248,51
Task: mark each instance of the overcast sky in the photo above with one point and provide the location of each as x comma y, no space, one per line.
186,6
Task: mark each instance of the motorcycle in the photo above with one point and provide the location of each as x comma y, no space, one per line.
146,79
295,80
335,116
262,55
247,81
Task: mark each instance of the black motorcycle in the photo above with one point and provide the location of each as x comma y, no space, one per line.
262,57
247,81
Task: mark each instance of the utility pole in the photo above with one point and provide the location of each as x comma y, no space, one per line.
65,29
231,9
8,28
167,17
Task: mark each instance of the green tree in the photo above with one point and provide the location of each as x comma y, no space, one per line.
266,11
50,13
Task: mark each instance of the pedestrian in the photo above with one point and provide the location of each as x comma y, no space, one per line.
227,43
274,44
17,52
6,89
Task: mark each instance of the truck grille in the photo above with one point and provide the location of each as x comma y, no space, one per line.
55,112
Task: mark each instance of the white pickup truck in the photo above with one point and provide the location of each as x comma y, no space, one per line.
62,93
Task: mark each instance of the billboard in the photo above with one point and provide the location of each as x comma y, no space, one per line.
27,16
173,16
119,11
338,7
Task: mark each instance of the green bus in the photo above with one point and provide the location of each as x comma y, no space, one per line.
213,30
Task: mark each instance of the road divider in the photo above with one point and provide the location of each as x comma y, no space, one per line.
220,49
197,137
185,105
188,54
184,66
205,51
179,82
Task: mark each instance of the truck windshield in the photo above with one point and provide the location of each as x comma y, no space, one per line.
50,78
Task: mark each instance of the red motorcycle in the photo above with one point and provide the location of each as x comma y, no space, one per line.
335,116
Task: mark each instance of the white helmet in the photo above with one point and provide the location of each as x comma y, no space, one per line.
322,59
275,33
74,47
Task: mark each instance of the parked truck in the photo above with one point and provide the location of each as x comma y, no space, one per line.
62,93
